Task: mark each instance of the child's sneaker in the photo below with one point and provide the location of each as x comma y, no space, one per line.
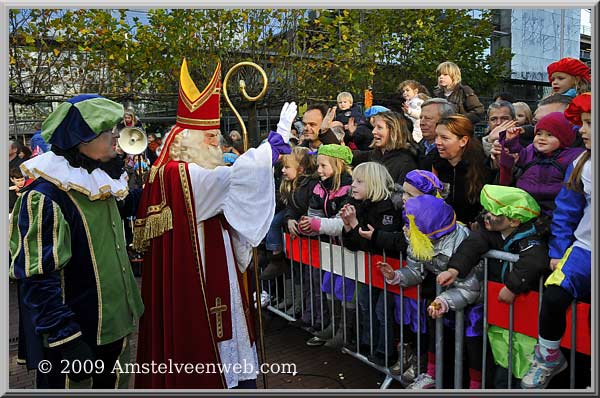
423,381
542,370
408,354
409,375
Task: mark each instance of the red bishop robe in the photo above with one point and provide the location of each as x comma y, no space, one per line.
184,207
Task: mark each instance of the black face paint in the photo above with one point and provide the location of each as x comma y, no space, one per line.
493,221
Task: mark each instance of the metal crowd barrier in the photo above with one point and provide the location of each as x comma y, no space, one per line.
309,258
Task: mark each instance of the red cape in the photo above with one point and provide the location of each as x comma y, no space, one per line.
176,326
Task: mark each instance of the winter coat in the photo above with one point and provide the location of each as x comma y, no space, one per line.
542,175
572,230
464,291
398,162
466,102
572,218
344,115
524,241
455,178
297,206
384,216
425,159
324,202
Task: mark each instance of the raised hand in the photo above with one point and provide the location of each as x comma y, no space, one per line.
286,118
513,132
328,119
495,133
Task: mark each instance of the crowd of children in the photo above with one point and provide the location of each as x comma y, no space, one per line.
442,220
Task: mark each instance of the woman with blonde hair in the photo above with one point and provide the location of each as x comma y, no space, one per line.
462,96
461,165
393,145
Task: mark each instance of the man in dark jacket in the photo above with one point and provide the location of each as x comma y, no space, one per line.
432,111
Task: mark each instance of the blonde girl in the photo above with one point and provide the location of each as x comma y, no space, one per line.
462,96
523,114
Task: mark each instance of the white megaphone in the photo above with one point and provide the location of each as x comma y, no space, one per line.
132,140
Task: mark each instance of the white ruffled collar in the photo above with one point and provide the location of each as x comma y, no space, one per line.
57,170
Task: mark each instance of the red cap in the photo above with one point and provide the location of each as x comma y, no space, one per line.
557,124
570,66
199,110
580,104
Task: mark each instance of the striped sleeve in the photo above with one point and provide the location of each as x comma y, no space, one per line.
40,238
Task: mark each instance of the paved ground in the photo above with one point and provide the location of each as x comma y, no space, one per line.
317,367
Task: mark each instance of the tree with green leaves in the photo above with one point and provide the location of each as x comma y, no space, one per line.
308,54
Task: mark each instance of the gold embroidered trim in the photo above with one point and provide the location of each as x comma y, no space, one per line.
40,248
62,285
153,171
119,358
189,205
186,80
192,105
198,122
65,340
94,264
25,240
55,235
20,241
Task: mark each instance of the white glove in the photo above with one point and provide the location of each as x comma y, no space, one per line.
288,114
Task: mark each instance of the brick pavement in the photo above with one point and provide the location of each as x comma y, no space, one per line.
317,367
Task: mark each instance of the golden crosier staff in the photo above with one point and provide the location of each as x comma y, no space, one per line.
242,88
244,93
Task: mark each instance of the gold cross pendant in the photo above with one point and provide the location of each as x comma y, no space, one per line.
217,310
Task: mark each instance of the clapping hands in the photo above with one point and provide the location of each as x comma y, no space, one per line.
348,214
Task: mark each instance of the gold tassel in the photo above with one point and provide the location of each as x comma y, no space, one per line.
151,227
420,244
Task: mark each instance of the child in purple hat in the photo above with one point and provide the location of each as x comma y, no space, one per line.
433,236
416,183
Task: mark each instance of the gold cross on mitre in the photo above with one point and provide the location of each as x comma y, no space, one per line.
217,310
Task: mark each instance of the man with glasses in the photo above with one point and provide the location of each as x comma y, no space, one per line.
501,116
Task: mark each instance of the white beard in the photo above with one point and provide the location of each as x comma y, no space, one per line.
206,156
